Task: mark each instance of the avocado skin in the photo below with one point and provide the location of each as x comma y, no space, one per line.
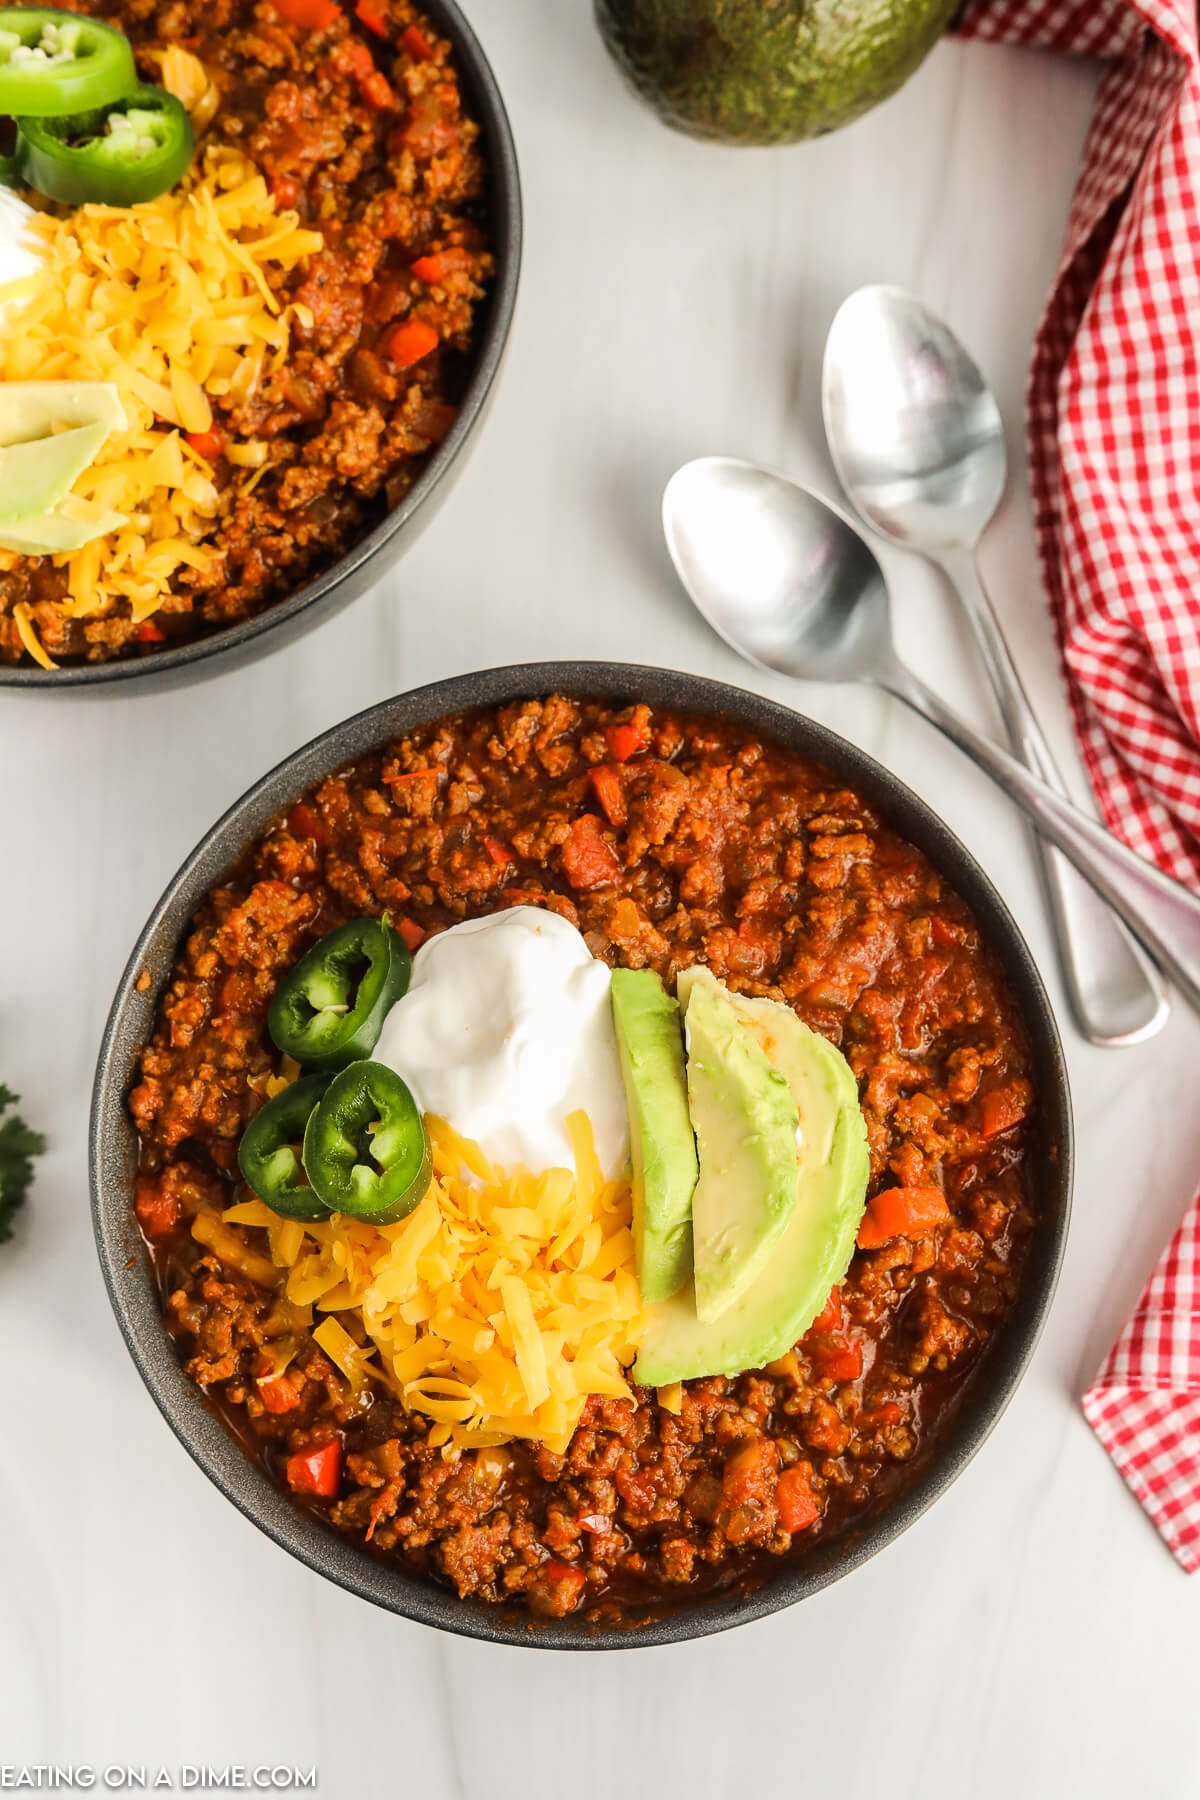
768,71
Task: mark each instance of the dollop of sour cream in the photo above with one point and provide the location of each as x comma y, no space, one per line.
507,1028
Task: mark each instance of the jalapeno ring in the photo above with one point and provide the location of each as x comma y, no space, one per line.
115,155
365,1148
329,1010
268,1157
54,62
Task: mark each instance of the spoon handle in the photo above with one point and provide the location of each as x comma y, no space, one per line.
1161,913
1117,997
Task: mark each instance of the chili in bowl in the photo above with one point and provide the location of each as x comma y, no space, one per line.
466,1331
263,257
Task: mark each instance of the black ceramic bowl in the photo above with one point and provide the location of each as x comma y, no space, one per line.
114,1157
364,563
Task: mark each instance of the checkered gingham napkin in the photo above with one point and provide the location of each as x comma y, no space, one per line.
1114,450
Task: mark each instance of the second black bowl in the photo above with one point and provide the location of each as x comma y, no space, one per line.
362,565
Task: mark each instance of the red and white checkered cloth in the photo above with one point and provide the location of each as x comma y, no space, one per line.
1114,442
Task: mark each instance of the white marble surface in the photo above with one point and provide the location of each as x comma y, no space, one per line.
1029,1636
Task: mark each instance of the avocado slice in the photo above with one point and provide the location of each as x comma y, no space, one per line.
770,71
662,1143
59,532
34,409
35,475
813,1253
745,1121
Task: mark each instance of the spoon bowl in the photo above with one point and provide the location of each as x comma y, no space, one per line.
918,442
914,431
778,573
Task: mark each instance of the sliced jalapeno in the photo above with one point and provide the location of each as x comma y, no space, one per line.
365,1149
269,1154
55,62
115,155
329,1010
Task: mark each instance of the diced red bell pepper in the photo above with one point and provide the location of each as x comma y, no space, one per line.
910,1212
277,1393
624,741
157,1213
412,933
589,860
440,263
285,191
795,1502
565,1575
149,633
838,1362
303,822
610,792
371,17
497,850
208,444
829,1319
406,343
413,39
1000,1110
310,15
887,1414
317,1471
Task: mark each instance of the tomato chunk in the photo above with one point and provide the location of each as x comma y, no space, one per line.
497,850
413,39
838,1362
371,17
795,1502
624,741
1001,1109
277,1393
304,822
317,1471
610,792
588,858
157,1213
910,1212
310,15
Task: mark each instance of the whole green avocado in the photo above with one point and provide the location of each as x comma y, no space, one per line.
769,71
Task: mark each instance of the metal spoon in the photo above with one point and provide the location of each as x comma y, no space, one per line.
918,442
788,582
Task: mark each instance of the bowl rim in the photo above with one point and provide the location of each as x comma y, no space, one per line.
504,189
112,1159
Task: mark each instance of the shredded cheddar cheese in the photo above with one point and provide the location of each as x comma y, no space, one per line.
175,302
495,1308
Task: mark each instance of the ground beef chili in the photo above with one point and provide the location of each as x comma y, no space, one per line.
668,840
360,127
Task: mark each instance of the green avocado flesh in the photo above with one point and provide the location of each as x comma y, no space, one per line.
34,409
813,1252
34,476
49,433
662,1144
768,71
745,1122
58,532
